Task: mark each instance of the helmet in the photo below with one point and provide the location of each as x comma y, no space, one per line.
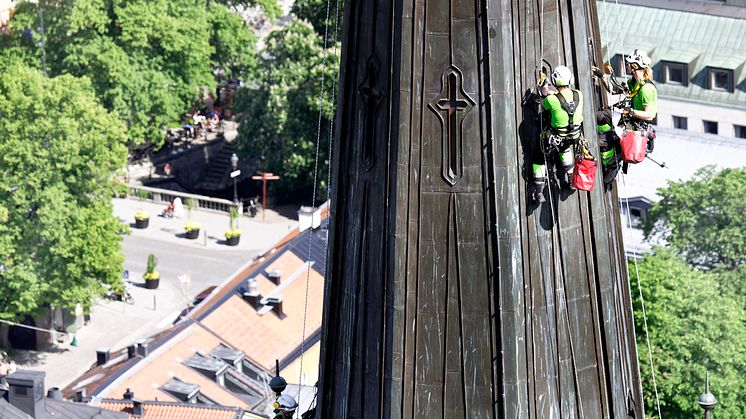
562,76
638,59
287,403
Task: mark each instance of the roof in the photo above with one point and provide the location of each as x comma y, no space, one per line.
168,410
8,411
69,410
205,349
698,39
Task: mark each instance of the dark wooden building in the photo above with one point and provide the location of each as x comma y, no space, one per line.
451,294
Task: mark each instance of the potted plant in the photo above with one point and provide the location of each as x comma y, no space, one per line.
142,219
191,227
233,235
151,276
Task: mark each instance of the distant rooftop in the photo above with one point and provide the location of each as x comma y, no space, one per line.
726,8
700,42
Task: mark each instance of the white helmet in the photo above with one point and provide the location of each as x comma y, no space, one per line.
638,59
562,76
287,403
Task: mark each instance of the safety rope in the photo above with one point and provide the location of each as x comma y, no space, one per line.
50,331
558,300
642,300
315,185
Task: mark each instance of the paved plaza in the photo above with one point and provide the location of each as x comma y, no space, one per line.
186,267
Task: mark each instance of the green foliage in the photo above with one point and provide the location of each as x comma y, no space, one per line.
280,112
694,325
704,218
59,148
315,12
269,7
233,219
152,263
148,60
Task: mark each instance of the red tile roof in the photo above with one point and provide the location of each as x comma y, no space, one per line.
161,410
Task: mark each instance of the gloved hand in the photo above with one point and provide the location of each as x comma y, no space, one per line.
597,71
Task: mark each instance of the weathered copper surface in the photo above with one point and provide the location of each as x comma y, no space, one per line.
449,294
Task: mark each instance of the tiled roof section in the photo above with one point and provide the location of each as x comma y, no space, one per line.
167,363
69,410
162,410
8,411
99,376
715,41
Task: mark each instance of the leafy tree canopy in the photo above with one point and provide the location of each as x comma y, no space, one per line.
316,12
704,218
280,111
59,242
148,60
694,325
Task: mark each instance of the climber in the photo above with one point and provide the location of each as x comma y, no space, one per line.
608,144
285,407
564,131
643,112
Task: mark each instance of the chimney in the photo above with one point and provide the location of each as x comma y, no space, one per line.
26,391
252,296
102,356
137,409
142,348
276,304
128,395
131,351
54,393
80,396
274,276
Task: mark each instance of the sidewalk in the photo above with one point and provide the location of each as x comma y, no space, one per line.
254,231
115,324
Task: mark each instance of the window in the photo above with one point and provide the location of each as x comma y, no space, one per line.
711,127
680,122
720,79
20,391
675,73
740,131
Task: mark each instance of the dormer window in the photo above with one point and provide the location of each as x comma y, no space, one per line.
675,73
720,79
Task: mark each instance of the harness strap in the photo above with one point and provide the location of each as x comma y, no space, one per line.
570,108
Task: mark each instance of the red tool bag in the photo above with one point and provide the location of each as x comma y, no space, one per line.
584,175
634,144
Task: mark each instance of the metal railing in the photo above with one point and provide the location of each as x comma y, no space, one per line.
201,202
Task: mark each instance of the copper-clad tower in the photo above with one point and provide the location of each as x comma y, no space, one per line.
449,293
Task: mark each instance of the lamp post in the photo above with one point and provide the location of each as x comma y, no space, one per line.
234,165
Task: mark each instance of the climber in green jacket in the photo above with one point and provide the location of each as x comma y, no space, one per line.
565,109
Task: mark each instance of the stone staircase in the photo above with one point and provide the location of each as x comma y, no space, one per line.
217,176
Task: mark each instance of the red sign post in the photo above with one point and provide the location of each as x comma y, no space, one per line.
264,177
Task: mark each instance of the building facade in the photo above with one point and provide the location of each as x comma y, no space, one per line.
698,53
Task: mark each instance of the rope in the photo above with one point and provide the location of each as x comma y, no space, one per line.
642,302
315,186
552,212
50,331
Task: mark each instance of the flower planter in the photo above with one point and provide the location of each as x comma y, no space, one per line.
152,284
233,241
142,223
192,234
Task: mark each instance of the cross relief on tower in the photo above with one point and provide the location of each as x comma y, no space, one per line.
451,107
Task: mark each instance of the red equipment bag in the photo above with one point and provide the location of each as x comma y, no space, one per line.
634,144
584,175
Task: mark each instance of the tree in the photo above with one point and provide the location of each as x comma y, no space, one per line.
693,326
59,148
149,60
316,11
704,218
279,122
